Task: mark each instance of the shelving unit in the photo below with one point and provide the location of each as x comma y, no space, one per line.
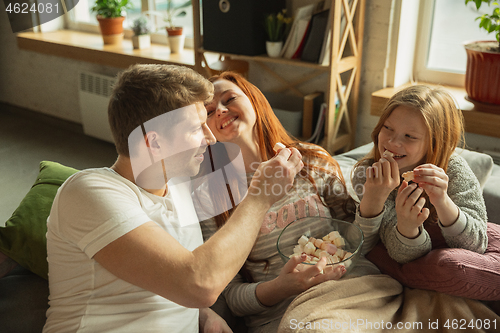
344,69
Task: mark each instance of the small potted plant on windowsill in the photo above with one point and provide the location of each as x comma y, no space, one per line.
110,15
277,28
483,62
175,34
141,38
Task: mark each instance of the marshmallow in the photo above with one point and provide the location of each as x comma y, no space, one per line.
309,248
315,248
332,235
388,153
303,240
408,175
331,249
278,146
339,242
318,243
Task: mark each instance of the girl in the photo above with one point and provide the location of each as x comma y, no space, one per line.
240,114
419,131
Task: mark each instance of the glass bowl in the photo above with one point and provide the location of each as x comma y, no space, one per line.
318,227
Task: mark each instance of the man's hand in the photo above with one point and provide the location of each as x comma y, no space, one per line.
274,178
211,322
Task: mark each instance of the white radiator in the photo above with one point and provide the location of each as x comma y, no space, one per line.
94,92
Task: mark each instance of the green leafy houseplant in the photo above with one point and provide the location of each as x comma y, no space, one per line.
489,22
169,11
175,9
141,38
140,26
277,26
111,8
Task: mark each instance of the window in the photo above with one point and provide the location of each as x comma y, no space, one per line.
444,27
82,18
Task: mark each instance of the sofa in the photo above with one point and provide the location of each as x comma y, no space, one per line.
23,265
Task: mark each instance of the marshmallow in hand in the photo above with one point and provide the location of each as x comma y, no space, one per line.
278,146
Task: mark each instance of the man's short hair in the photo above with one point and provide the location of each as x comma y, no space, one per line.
143,92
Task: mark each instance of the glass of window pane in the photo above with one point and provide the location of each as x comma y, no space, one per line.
453,24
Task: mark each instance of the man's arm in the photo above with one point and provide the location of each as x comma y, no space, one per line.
152,259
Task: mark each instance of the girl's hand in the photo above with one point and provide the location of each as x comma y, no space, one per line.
434,181
410,209
381,179
295,278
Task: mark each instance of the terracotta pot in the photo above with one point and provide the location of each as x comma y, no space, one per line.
482,76
111,29
174,31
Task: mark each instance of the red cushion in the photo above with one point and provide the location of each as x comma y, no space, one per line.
454,271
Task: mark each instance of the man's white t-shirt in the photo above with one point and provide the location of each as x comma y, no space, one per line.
92,209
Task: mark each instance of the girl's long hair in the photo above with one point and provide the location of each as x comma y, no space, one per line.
444,122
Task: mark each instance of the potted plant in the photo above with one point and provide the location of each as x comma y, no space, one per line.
277,27
110,15
174,8
141,38
482,76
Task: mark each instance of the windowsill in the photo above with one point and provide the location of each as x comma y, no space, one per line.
475,121
89,47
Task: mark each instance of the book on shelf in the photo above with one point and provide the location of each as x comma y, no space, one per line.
315,37
297,31
319,130
319,120
311,110
298,52
326,50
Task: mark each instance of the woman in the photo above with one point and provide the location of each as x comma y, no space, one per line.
240,114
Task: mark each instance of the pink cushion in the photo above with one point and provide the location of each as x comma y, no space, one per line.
455,272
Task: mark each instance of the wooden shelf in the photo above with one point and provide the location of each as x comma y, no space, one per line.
474,121
90,48
340,130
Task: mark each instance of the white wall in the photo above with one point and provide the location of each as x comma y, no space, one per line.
40,82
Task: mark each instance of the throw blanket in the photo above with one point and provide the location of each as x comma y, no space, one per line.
378,303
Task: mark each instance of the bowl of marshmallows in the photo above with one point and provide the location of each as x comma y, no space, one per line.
339,241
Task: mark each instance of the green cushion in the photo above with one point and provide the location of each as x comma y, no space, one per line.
23,238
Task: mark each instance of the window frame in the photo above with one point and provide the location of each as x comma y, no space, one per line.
420,70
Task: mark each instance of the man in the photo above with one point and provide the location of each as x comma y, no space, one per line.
122,255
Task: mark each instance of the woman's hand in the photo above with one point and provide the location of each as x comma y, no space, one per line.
381,179
211,322
434,181
295,278
410,209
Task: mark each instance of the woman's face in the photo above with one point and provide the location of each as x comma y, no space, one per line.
405,135
231,116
